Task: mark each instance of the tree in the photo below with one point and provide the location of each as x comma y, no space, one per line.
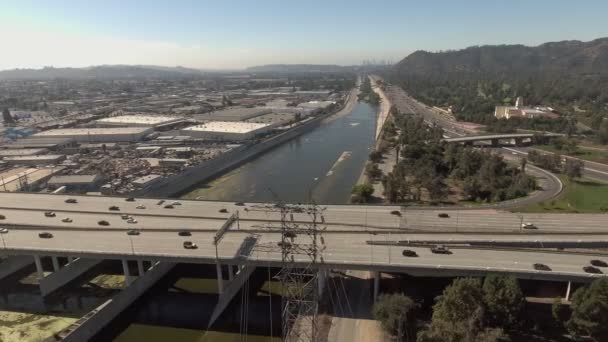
573,168
590,311
603,131
7,117
458,314
362,192
395,314
503,299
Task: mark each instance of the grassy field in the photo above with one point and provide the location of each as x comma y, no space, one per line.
582,153
20,327
580,196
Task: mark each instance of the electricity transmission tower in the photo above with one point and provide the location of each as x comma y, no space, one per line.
301,249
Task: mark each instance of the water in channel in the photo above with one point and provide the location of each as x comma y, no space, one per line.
322,165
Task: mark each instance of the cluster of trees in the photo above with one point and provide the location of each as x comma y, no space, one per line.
589,312
564,124
362,193
467,310
490,311
366,93
572,168
428,165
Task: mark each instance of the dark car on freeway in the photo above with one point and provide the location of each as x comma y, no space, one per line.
71,200
592,269
541,267
409,253
598,263
184,233
443,215
133,232
45,235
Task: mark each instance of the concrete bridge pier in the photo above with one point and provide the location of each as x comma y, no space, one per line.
519,141
567,298
220,281
230,272
39,269
495,142
321,281
377,277
126,272
56,265
140,268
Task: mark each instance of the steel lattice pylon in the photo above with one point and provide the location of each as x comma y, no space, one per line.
301,248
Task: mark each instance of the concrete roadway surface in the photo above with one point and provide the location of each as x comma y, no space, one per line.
342,251
26,210
593,170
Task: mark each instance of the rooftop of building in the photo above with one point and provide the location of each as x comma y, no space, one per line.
227,127
151,120
92,131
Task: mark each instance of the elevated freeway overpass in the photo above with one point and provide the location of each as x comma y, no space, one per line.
348,228
370,238
495,139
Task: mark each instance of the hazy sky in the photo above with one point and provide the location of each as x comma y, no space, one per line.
240,33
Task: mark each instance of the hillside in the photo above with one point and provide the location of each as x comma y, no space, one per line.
98,72
565,56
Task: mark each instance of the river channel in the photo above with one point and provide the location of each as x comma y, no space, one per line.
321,165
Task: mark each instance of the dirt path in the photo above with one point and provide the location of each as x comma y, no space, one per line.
354,302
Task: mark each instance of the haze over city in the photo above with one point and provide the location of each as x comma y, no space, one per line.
235,34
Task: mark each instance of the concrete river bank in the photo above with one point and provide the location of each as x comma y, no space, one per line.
321,165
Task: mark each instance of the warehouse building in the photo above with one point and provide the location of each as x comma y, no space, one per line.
45,159
234,114
75,183
155,121
226,130
90,135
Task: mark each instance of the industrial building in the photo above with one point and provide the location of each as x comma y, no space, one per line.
155,121
89,135
226,130
234,114
45,159
51,143
26,179
75,183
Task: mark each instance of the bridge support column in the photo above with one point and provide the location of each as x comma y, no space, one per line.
377,276
126,272
220,281
518,141
568,291
39,269
494,143
230,272
55,263
321,280
140,268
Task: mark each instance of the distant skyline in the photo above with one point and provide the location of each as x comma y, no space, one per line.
234,34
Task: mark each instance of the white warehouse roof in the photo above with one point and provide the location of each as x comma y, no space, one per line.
227,127
92,131
141,120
